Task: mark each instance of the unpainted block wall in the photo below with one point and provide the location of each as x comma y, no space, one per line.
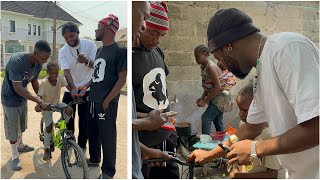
188,27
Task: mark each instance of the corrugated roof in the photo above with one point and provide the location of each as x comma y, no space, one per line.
40,9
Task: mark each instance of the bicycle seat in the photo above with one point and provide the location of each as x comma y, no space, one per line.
59,107
62,106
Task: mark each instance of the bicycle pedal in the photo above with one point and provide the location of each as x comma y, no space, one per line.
41,137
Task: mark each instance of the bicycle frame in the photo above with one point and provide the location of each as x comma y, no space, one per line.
65,140
61,125
56,137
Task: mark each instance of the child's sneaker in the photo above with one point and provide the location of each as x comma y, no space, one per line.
15,164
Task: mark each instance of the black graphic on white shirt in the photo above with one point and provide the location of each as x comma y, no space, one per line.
96,71
157,89
154,89
99,70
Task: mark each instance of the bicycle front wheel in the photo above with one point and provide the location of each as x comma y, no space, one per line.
74,161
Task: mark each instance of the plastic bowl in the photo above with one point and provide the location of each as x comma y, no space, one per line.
204,138
218,136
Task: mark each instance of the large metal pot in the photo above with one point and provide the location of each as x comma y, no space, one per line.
183,129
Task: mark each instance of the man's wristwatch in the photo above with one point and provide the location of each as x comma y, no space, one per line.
254,159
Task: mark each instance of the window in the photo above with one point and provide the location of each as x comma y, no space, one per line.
29,29
52,28
12,25
30,48
39,31
34,30
13,47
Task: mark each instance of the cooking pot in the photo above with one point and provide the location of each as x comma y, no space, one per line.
183,129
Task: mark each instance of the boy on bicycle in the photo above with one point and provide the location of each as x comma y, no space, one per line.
49,91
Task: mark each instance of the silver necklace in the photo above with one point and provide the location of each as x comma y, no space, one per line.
76,50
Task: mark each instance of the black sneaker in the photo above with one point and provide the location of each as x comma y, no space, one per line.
25,148
104,176
92,164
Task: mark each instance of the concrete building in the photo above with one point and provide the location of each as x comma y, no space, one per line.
188,28
23,23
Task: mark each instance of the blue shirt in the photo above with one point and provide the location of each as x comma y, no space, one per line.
17,69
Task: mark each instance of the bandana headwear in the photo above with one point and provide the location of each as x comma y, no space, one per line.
112,21
158,18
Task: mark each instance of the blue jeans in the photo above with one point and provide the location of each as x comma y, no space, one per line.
212,114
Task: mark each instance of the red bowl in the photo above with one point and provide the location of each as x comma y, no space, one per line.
218,136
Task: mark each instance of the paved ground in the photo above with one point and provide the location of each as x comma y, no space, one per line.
33,165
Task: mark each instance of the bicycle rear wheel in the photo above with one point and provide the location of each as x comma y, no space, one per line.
74,162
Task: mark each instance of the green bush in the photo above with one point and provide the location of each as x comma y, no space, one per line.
42,74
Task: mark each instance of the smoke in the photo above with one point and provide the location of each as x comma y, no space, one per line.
187,111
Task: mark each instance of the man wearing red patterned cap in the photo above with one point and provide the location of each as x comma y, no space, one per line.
109,76
149,73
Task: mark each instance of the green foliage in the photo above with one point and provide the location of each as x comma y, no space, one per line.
42,74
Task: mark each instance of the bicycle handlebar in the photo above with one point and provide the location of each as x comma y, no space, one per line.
174,158
60,107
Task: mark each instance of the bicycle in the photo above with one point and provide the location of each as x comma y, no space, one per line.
64,140
184,147
216,164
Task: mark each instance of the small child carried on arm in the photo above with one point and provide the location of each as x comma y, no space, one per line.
270,166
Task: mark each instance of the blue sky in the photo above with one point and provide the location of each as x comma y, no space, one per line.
90,12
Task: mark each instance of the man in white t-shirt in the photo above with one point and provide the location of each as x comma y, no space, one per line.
286,93
76,58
